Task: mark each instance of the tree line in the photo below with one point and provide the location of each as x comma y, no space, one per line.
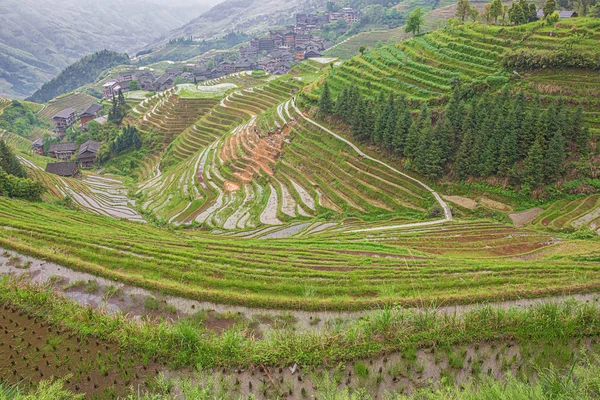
475,136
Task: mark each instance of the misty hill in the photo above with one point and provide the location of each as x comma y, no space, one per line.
248,16
39,38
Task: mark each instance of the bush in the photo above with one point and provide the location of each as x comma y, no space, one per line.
537,59
23,188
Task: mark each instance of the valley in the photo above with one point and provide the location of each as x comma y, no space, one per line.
417,219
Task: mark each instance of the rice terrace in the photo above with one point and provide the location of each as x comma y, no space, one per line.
384,200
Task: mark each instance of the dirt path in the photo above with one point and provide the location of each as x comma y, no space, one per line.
441,202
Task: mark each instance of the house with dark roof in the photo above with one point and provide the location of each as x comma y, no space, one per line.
66,169
87,153
146,80
38,147
62,151
89,114
110,88
561,13
311,54
63,120
126,76
164,82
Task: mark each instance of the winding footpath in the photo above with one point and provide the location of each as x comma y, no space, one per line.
441,202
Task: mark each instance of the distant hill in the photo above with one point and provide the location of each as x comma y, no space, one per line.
248,16
78,74
39,38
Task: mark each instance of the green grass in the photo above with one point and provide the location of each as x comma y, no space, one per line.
459,264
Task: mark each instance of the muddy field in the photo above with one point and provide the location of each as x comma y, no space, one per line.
400,373
36,350
32,350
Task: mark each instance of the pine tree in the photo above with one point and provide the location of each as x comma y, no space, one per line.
533,166
508,146
554,158
403,124
389,130
411,145
326,105
384,115
428,157
341,104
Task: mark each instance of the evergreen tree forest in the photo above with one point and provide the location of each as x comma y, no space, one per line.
475,136
128,139
118,110
79,74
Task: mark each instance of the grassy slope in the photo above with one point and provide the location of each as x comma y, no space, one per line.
344,271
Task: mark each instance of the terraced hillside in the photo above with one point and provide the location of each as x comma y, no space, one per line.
170,114
274,168
567,215
78,101
434,19
98,194
423,67
333,270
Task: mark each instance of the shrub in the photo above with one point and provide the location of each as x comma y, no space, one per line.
537,59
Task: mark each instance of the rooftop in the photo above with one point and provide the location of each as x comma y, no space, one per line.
66,113
92,109
62,147
90,146
62,168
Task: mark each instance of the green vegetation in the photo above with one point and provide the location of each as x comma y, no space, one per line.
515,132
78,74
20,118
426,69
13,178
345,270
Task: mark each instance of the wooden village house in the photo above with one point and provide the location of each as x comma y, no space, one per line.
37,147
87,153
62,151
67,169
89,114
63,120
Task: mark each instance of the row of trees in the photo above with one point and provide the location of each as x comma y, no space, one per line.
474,136
520,12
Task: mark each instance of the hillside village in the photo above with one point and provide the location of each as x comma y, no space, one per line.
412,213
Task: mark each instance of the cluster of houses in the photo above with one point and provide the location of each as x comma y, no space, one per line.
308,22
282,48
71,157
67,117
146,79
64,152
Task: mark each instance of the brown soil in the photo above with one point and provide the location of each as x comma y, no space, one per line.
495,205
462,201
219,325
32,350
524,217
231,186
260,151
